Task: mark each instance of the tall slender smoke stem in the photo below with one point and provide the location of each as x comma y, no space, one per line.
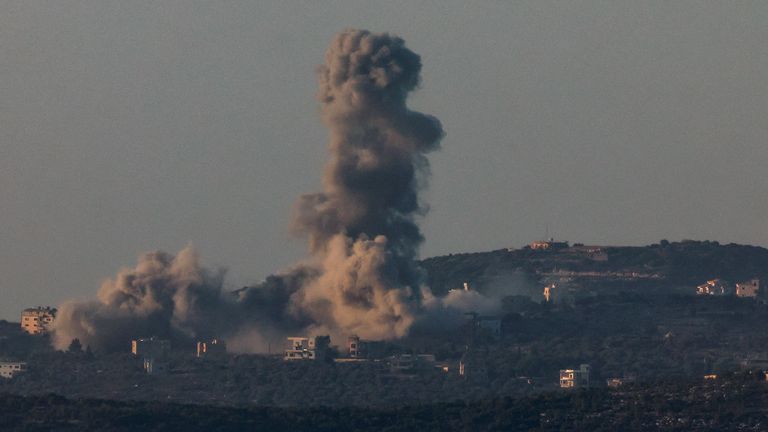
362,227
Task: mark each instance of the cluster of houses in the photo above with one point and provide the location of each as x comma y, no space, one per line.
720,287
154,352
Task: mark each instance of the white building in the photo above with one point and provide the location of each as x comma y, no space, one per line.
748,289
37,320
10,369
306,348
575,378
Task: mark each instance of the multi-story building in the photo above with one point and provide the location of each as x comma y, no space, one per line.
364,349
37,320
748,289
575,378
212,348
307,348
9,369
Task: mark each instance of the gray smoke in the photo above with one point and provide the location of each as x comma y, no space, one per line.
362,275
164,295
361,228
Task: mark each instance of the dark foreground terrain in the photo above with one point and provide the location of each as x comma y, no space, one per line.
737,402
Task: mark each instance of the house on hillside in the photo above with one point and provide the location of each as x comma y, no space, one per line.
749,288
548,245
575,378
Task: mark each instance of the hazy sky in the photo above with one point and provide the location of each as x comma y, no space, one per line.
127,126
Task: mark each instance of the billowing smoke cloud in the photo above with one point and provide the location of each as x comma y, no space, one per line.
362,275
361,227
164,295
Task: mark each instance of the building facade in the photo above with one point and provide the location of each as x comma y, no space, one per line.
575,378
748,289
364,349
37,320
10,369
306,348
550,244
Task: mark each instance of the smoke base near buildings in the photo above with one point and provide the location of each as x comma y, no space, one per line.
361,276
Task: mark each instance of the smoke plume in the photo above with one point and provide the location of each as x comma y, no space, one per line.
361,228
165,295
361,276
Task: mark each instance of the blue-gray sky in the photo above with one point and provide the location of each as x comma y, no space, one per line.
127,126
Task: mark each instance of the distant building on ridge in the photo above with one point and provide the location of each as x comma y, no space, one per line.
546,245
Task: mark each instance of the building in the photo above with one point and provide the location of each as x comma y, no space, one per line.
212,348
748,289
575,378
364,349
307,348
714,287
37,320
151,348
9,369
546,245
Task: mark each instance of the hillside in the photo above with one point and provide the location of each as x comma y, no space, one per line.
667,265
